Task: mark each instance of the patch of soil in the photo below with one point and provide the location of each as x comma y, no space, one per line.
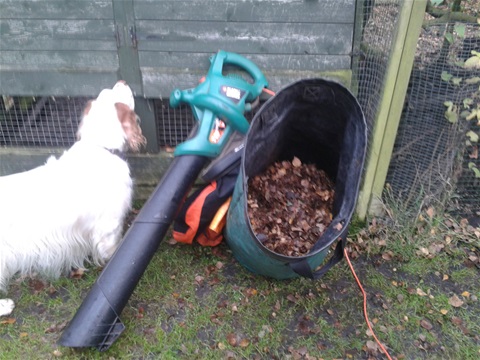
290,206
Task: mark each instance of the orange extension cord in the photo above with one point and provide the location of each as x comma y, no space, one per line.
365,305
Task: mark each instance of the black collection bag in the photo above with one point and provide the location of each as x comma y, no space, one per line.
320,122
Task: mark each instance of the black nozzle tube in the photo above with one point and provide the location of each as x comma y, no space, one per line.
97,323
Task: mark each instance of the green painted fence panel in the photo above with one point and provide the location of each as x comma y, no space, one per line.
323,11
60,48
76,48
288,40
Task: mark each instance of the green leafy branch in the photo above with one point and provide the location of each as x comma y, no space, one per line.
468,109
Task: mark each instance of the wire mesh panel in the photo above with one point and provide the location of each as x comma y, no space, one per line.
379,22
173,124
41,121
434,157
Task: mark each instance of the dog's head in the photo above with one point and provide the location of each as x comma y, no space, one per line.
110,120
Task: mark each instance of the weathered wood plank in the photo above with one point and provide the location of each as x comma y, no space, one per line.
79,61
55,9
193,62
63,35
247,38
161,84
325,11
163,72
55,83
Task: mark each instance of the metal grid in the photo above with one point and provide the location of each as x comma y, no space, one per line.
173,124
39,122
374,42
431,156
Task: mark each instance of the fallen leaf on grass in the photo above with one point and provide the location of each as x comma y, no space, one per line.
8,321
421,292
466,294
77,273
232,339
57,353
249,292
244,343
456,320
455,301
426,324
443,311
37,285
387,256
291,298
430,212
372,346
56,327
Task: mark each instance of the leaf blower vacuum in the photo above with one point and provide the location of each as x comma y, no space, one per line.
218,105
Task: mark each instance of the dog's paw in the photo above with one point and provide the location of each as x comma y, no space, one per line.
6,306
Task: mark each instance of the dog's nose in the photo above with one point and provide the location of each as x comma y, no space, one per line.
123,93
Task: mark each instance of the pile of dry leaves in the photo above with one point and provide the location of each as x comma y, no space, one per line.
290,206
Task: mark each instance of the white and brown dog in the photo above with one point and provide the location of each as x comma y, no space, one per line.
71,209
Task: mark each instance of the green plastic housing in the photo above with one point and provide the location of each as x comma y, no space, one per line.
223,97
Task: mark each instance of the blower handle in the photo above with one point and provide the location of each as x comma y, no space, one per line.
229,58
219,98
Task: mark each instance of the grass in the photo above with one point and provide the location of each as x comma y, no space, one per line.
199,303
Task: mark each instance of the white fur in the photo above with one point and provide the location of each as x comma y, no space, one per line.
56,216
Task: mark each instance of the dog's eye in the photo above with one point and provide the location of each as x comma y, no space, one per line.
138,119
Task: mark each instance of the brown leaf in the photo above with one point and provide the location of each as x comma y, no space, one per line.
291,298
431,212
77,273
57,353
8,321
372,346
426,324
456,320
244,343
474,153
455,301
37,285
296,162
421,292
232,339
387,256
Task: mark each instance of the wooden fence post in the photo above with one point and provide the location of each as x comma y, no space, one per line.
129,67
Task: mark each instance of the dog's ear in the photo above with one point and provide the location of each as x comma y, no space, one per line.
131,127
86,110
